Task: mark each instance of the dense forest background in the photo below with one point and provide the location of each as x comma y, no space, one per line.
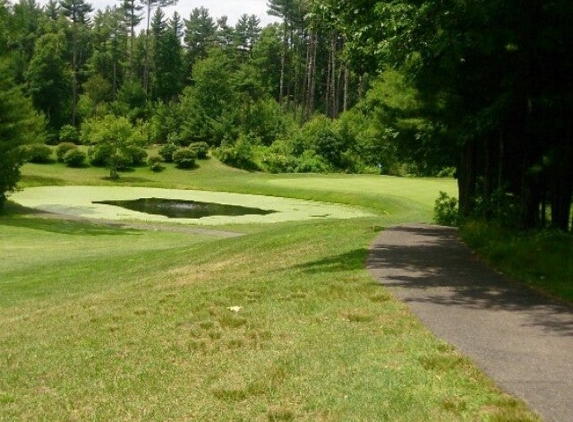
479,90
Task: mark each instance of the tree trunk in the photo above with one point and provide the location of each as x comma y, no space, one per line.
74,72
333,85
346,87
310,75
467,178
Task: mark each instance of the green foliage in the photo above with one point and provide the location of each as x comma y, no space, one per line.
48,79
240,154
164,122
290,156
52,137
185,158
166,152
69,134
501,208
131,101
63,148
201,149
154,163
278,162
309,162
208,109
137,154
38,153
74,157
542,258
99,154
115,143
320,136
446,211
19,125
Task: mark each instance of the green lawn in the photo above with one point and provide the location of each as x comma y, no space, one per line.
102,323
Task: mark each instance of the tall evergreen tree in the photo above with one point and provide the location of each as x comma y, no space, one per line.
247,32
132,17
150,5
77,12
200,35
47,80
25,30
167,57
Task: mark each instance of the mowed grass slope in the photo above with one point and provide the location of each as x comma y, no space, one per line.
103,323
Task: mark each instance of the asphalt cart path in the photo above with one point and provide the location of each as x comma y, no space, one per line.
522,340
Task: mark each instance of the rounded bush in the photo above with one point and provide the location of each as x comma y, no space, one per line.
309,163
69,133
38,153
184,158
62,149
274,162
52,138
154,164
201,149
121,160
239,154
75,158
446,210
166,152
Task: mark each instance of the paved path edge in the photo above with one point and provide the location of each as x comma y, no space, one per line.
522,340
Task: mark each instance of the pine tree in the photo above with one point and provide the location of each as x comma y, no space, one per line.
149,6
19,125
77,12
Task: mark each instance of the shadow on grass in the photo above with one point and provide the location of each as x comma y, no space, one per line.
15,215
127,179
42,181
352,260
428,264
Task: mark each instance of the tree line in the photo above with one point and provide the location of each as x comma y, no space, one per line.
481,90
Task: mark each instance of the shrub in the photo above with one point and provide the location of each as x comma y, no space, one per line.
201,149
446,210
69,133
184,158
62,149
106,155
99,154
310,163
38,153
154,164
52,138
501,207
320,135
120,161
447,172
239,154
75,158
275,162
137,154
166,152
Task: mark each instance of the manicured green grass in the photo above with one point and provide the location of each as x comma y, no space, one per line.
407,199
541,259
283,323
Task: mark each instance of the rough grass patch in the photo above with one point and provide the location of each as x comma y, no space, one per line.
280,414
